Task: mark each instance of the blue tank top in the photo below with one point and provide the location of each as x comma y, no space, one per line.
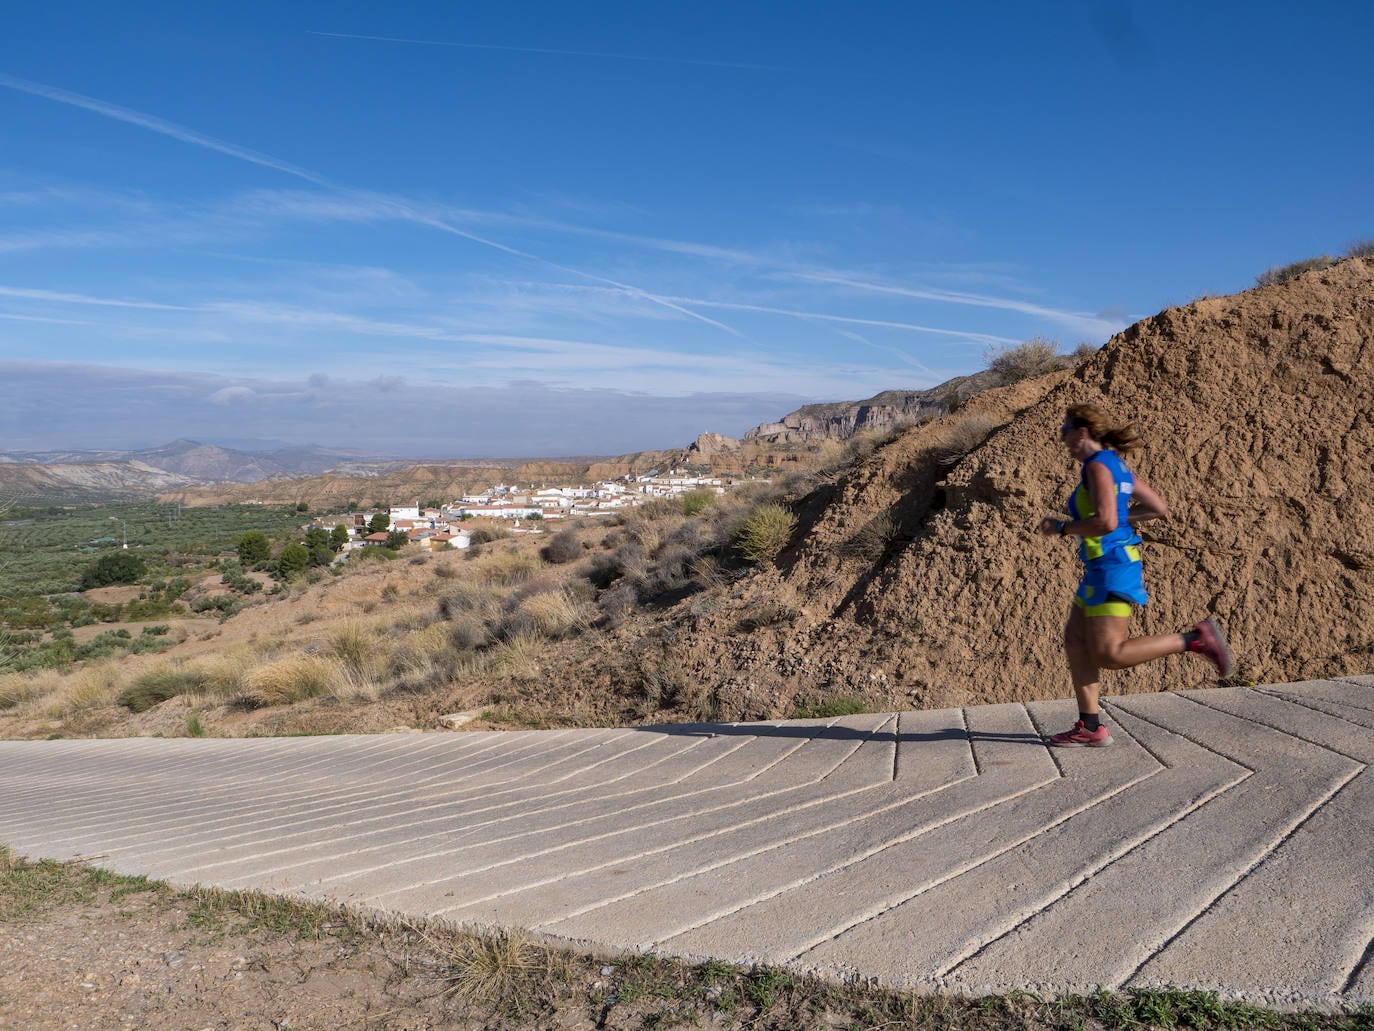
1121,545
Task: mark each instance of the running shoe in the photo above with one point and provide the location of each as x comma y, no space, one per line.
1082,737
1211,645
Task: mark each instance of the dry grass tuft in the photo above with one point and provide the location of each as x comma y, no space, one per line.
962,437
491,971
505,568
559,613
518,657
18,689
293,679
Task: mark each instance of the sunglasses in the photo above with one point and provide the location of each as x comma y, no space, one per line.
1068,428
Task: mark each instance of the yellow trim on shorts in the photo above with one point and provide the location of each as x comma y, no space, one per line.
1107,608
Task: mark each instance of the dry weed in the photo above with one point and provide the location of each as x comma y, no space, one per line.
89,688
19,689
518,657
293,679
559,613
505,568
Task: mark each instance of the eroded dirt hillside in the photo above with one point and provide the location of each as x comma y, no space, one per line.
918,579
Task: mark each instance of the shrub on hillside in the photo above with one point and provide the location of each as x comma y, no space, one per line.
1026,360
765,532
121,567
158,686
873,538
565,546
694,502
963,437
254,547
1360,249
1283,273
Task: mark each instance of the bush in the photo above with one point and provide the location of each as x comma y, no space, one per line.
765,532
1283,273
121,567
292,561
254,547
564,547
965,435
872,539
158,686
694,502
1033,357
290,680
1360,249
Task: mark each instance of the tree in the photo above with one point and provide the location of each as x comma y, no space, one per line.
292,561
319,543
118,568
397,539
302,506
339,537
254,547
379,523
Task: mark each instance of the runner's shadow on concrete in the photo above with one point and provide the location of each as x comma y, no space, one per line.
764,730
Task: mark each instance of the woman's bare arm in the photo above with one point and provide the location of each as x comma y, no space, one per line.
1146,505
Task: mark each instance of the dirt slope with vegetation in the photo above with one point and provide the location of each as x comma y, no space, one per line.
918,578
906,573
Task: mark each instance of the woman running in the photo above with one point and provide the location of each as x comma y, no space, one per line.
1109,501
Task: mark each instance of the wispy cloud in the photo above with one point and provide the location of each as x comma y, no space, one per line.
65,298
1081,321
653,59
391,206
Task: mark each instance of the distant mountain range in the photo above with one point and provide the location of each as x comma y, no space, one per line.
90,475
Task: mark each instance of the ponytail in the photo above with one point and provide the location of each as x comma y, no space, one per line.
1123,437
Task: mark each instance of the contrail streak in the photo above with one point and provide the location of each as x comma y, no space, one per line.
401,210
158,125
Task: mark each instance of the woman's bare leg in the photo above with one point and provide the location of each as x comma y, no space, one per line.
1110,648
1082,668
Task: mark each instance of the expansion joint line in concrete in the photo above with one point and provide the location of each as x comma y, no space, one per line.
1364,963
1286,730
1301,700
1040,729
968,736
1084,876
353,872
1192,739
742,856
632,857
1244,874
1121,726
877,911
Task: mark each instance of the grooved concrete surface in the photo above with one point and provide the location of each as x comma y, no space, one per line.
1223,843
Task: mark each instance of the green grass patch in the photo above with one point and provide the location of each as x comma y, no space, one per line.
158,686
829,708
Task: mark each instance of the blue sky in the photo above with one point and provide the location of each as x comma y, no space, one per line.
478,229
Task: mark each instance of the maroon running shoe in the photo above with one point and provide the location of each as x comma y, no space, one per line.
1082,737
1211,645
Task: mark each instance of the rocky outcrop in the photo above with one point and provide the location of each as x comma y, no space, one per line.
883,413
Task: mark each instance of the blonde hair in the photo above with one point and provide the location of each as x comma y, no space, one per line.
1121,437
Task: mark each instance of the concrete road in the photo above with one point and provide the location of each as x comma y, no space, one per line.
1223,843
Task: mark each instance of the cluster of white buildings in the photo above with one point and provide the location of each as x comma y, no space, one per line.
436,528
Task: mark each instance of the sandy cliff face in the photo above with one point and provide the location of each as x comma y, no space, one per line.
1257,412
